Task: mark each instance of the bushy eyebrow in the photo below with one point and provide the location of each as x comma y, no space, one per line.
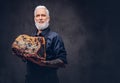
41,15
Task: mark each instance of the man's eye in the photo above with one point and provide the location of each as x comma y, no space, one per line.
37,15
43,15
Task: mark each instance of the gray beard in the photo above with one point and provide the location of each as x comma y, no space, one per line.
43,26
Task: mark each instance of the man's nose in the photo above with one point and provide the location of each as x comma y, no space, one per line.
40,17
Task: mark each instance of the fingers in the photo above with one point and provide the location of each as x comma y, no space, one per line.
29,55
45,62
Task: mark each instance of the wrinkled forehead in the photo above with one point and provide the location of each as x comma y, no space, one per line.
40,11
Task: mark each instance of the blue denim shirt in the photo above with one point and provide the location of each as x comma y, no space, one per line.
54,45
54,49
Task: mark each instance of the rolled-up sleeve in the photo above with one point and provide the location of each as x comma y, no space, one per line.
59,49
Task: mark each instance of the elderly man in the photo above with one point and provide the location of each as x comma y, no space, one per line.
46,71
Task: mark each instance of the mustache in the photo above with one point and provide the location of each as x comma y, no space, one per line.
41,21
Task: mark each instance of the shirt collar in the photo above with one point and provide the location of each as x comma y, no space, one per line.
44,32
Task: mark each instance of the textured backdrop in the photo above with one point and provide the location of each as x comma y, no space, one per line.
90,31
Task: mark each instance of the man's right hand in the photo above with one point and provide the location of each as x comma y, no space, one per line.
33,57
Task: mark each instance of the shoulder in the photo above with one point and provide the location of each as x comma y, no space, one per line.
54,37
53,34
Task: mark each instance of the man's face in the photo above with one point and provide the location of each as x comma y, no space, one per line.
41,16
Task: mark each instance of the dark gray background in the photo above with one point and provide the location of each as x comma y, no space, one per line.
90,30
